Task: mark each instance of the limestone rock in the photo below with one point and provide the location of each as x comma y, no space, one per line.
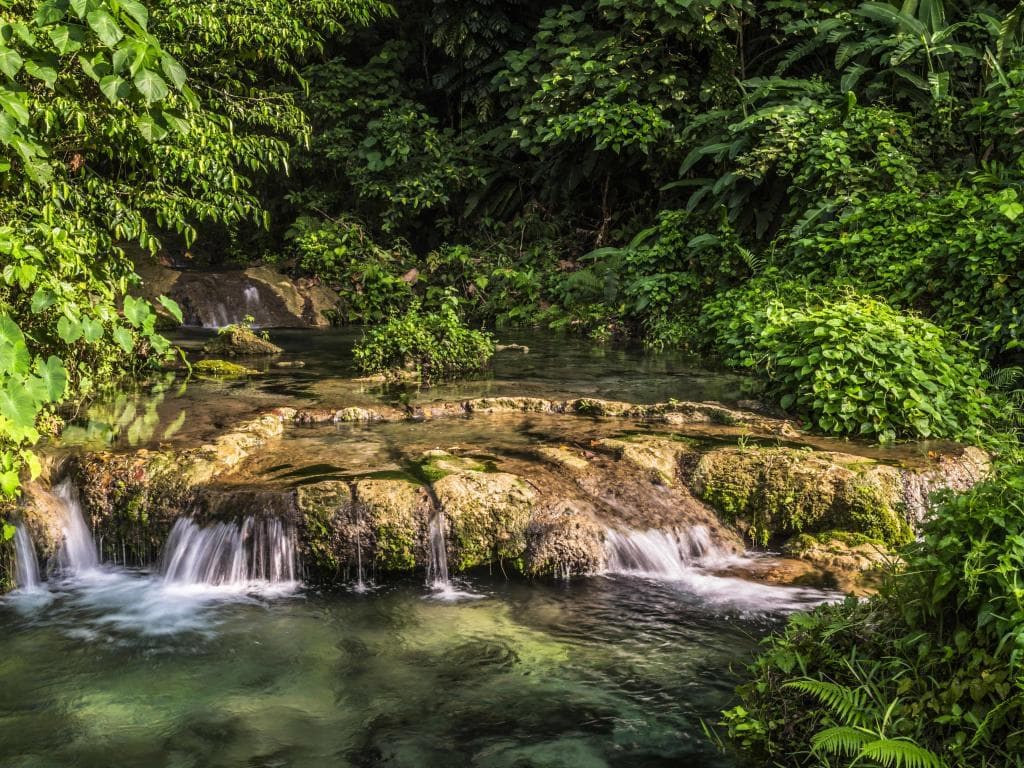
239,341
398,513
487,512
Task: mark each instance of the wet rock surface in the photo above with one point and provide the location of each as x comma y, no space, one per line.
515,496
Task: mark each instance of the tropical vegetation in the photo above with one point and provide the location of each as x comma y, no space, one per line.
827,196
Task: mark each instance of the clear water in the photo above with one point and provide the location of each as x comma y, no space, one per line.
123,668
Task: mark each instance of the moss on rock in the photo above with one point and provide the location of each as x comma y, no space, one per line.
657,458
488,513
222,369
398,512
564,543
772,493
325,526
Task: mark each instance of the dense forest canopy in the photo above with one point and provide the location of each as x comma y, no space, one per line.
827,196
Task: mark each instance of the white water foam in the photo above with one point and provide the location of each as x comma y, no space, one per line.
683,557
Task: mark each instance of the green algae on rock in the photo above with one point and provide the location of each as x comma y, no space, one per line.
222,369
773,493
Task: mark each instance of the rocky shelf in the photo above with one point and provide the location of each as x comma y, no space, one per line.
543,503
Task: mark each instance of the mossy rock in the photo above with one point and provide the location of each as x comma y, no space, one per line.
487,513
325,527
773,493
398,512
239,341
564,543
853,560
435,465
222,369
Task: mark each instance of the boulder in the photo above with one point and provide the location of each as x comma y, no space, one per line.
239,341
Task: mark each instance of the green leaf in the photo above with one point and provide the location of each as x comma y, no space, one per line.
17,405
79,7
43,68
67,38
174,71
124,339
69,330
92,330
103,24
42,300
10,61
150,129
136,311
54,377
114,87
172,307
151,85
137,11
9,487
15,104
50,13
14,354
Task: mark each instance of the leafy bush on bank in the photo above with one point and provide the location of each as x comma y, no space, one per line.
929,670
851,365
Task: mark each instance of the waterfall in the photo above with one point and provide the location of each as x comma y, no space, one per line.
230,553
78,552
437,565
657,553
360,583
26,567
252,299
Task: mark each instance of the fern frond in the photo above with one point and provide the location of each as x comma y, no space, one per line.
848,704
841,740
899,753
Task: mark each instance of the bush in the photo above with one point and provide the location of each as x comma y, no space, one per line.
368,277
933,664
853,365
432,346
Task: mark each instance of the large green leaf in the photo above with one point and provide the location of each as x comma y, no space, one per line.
151,85
15,104
172,307
124,339
14,355
174,71
69,330
67,38
10,61
43,67
136,311
137,11
17,405
103,24
54,376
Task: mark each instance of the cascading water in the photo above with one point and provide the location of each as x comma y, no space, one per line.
26,566
437,565
682,558
230,554
78,552
657,553
251,294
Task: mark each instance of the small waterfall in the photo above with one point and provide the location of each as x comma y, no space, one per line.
256,550
26,567
251,294
657,553
437,565
78,552
360,582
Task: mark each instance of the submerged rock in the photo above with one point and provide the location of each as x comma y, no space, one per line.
222,369
239,341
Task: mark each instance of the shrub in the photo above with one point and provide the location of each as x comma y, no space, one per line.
935,662
368,277
434,346
855,366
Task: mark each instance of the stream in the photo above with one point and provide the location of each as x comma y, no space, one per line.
218,654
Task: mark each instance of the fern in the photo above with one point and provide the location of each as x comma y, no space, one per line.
841,740
848,704
900,753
